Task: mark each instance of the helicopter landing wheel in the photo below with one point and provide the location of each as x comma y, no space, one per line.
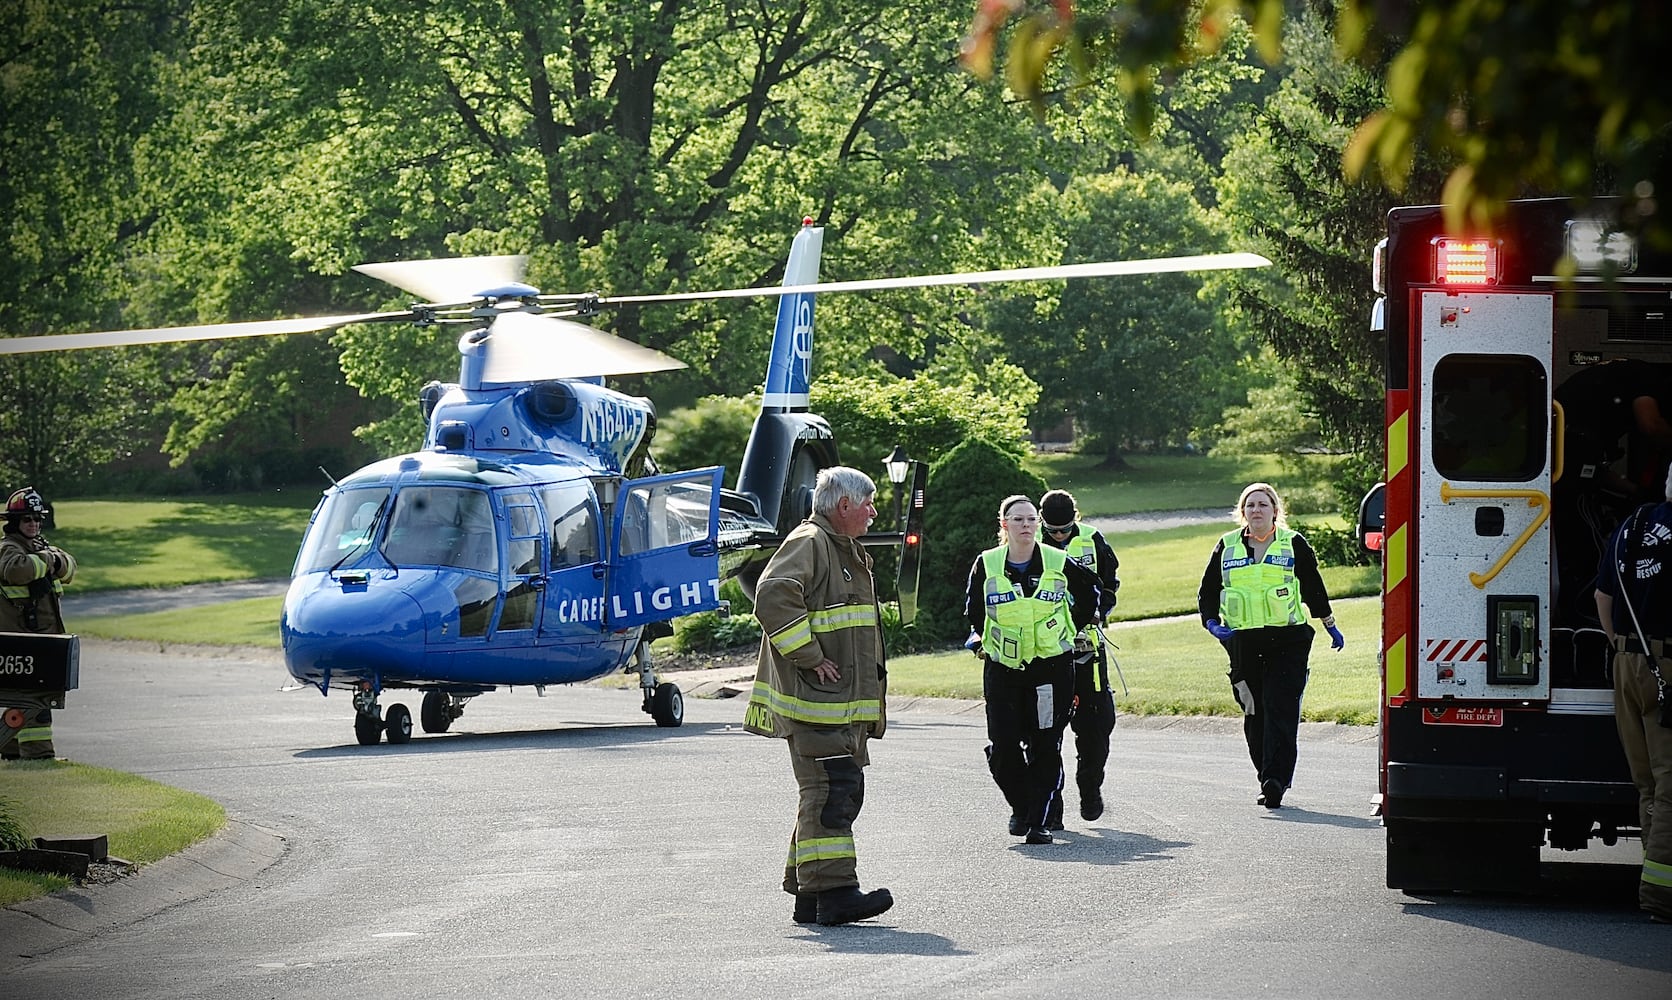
397,722
436,713
667,705
368,729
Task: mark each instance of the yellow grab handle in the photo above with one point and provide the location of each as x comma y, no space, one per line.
1534,499
1561,441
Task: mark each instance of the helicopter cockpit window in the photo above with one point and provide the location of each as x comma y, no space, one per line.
442,526
663,515
342,529
524,544
574,520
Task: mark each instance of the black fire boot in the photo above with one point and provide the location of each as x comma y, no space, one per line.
806,907
1091,805
847,904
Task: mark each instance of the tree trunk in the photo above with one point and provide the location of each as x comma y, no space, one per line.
1112,459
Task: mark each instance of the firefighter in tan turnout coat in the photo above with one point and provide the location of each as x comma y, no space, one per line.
32,577
820,686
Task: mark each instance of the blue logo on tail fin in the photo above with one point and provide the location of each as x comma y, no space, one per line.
789,371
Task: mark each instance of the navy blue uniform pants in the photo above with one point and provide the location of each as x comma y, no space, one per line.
1027,710
1268,676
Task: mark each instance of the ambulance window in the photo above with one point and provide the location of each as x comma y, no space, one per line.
1488,414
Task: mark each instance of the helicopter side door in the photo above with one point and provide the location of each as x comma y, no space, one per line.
664,548
573,612
524,565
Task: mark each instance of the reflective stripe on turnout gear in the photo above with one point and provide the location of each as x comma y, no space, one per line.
801,631
35,734
822,849
1656,873
819,713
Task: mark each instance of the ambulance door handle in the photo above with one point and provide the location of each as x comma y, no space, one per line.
1534,498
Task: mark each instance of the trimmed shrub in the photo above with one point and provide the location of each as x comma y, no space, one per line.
707,632
961,520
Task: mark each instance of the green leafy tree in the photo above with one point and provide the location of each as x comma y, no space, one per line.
1522,98
714,431
1273,420
77,87
1138,361
67,414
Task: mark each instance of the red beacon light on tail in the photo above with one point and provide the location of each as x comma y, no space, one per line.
1460,261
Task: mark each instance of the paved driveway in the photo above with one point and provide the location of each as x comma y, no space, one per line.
565,847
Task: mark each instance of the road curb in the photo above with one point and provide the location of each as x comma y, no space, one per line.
37,927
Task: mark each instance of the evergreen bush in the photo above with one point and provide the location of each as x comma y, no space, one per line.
961,520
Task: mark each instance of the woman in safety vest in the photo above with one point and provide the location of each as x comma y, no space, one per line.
1025,603
1260,575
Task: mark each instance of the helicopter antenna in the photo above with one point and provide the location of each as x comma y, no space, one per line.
329,476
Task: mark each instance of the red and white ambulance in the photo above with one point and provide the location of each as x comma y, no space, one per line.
1497,723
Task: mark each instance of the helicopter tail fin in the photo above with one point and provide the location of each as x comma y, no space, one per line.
789,445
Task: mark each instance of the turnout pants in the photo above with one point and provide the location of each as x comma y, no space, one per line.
1268,677
1648,747
33,741
1027,710
829,766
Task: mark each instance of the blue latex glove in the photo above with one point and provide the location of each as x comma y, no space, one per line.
1218,631
1336,639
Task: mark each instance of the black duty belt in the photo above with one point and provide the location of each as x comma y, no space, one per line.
1625,643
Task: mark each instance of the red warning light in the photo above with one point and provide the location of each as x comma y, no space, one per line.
913,538
1466,262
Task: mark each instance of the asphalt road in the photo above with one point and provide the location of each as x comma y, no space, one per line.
566,847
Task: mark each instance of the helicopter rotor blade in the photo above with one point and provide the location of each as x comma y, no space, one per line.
449,279
173,334
524,347
1099,269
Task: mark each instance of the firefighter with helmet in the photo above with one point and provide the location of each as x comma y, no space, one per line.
32,577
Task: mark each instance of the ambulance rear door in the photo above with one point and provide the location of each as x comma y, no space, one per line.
1483,496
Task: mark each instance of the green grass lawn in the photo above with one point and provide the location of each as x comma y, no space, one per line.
167,542
1160,571
1173,667
250,622
1185,482
144,820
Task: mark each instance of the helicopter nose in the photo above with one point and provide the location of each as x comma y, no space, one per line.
342,633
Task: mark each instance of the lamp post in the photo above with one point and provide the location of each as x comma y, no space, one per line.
897,465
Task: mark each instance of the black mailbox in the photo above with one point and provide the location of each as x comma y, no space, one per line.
32,663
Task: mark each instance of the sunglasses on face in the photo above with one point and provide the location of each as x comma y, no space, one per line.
1065,529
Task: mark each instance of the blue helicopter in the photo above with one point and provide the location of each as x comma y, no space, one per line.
531,541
